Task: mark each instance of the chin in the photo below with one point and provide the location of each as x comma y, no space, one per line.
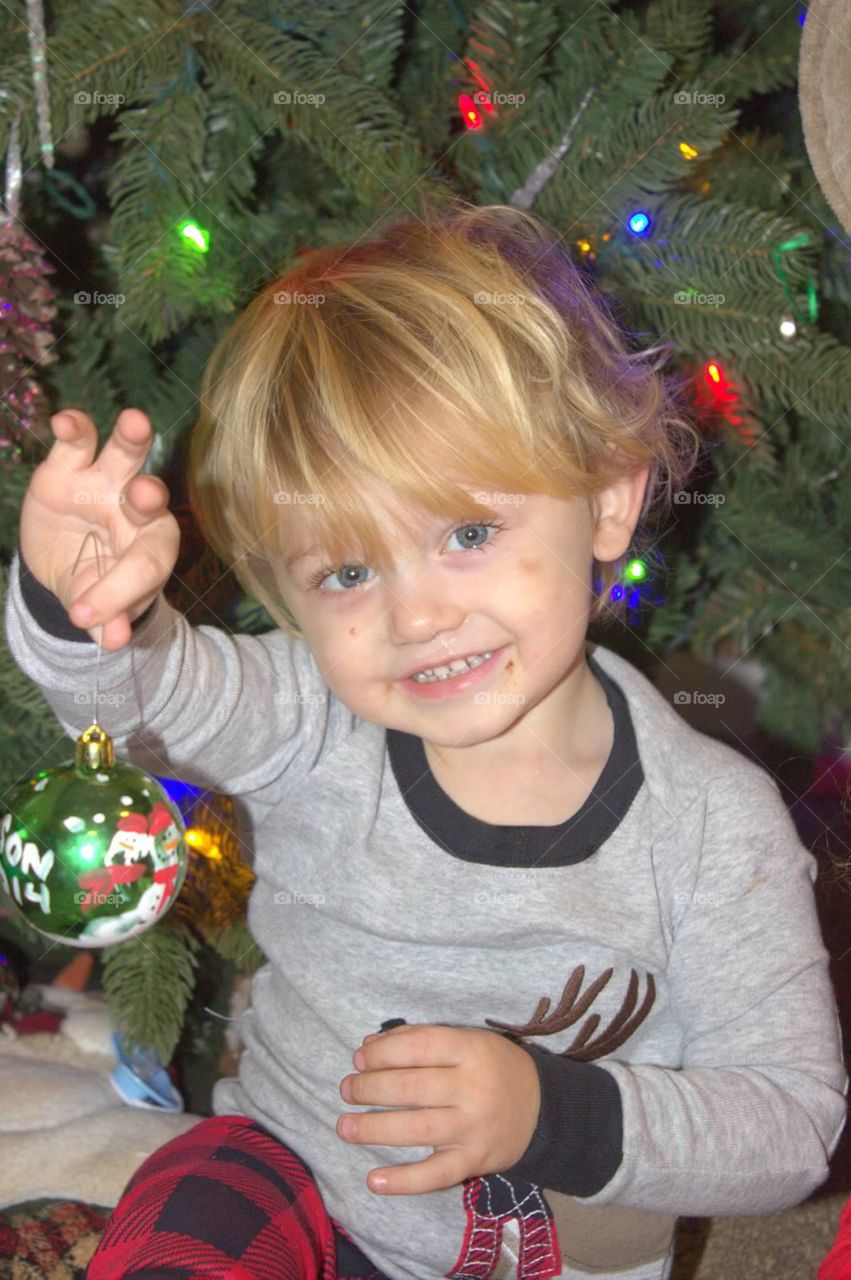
474,731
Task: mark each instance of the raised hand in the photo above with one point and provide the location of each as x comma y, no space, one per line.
73,492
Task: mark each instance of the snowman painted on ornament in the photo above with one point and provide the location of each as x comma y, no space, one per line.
138,848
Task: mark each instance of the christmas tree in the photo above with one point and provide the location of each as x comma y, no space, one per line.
163,160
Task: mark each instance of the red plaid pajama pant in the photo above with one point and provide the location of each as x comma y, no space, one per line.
228,1201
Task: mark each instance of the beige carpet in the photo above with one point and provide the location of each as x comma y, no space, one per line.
781,1246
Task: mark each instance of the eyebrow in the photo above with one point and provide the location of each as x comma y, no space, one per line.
308,554
301,555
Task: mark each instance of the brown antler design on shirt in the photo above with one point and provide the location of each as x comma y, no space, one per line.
570,1010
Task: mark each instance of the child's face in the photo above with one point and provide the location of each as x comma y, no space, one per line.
525,597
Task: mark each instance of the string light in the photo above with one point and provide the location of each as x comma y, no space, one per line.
195,236
639,223
637,584
470,113
798,242
636,570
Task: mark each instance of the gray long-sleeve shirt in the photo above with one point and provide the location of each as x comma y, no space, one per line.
704,1073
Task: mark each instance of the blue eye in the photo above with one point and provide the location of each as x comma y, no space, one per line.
345,573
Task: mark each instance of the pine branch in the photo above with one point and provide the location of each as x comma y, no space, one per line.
370,37
148,982
684,29
762,60
356,129
82,378
813,374
110,51
31,736
237,945
164,282
507,43
707,274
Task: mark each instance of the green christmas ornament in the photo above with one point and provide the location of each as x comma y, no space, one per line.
92,852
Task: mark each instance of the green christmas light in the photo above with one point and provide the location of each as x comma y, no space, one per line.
636,570
195,236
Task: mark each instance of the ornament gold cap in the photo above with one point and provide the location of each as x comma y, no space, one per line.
94,749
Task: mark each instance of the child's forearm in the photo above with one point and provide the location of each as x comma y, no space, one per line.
577,1145
748,1120
192,702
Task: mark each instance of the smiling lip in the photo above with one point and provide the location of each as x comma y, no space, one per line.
445,662
436,689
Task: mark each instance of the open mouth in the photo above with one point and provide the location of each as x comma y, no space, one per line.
457,676
458,667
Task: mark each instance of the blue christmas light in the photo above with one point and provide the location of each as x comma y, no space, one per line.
639,585
639,223
183,794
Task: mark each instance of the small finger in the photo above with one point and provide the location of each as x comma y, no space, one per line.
76,441
146,498
140,571
125,448
426,1127
437,1173
112,635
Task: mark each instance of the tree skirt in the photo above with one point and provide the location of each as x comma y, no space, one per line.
49,1239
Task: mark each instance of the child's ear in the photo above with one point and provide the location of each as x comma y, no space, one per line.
615,512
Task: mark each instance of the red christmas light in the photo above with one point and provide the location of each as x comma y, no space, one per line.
471,108
470,113
719,398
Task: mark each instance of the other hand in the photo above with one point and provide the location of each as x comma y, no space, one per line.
473,1095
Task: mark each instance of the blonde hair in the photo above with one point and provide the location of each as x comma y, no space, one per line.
459,345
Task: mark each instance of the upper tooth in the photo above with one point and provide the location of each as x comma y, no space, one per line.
454,667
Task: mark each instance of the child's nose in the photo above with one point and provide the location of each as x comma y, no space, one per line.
424,606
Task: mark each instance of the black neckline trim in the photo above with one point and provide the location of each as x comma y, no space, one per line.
472,840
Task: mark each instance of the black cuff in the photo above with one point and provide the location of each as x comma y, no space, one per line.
49,611
577,1145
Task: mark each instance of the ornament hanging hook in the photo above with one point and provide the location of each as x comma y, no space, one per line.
99,628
